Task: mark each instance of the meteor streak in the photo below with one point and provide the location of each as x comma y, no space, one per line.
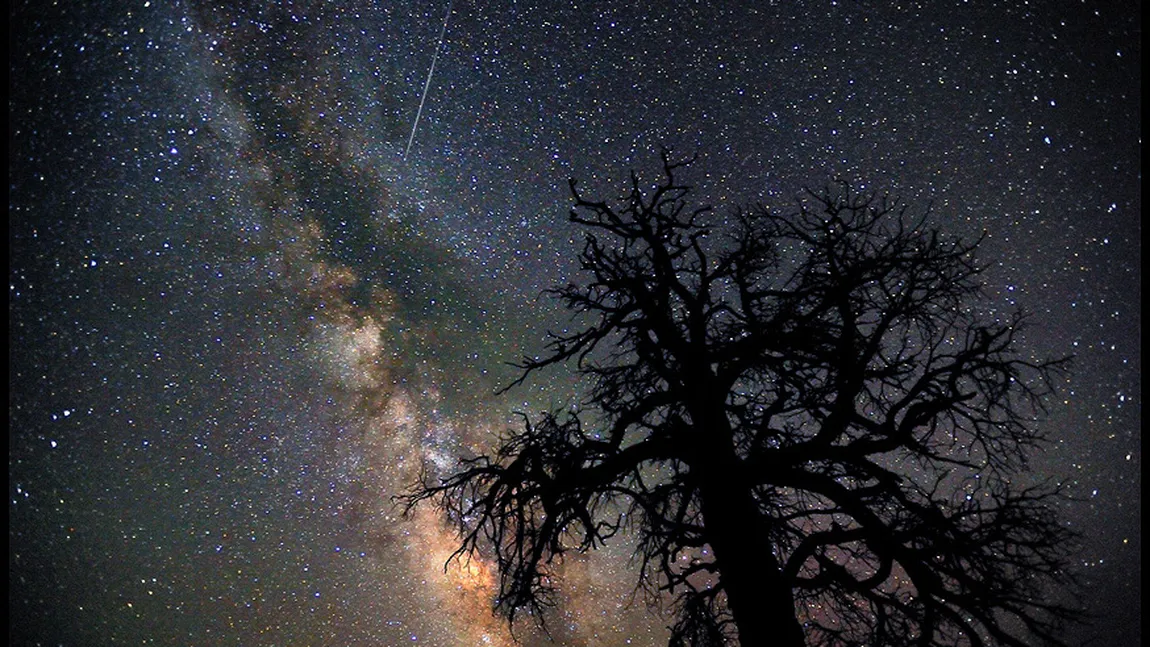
427,84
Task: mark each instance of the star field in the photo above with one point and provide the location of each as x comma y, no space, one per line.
240,321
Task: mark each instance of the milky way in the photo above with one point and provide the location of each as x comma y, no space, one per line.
243,318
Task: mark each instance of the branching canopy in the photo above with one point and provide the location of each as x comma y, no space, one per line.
806,403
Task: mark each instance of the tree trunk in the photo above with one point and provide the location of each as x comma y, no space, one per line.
762,604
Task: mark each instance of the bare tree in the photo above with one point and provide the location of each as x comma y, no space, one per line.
802,420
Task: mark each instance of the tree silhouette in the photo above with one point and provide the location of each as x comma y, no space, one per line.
802,419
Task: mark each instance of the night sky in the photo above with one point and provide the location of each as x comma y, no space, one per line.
241,320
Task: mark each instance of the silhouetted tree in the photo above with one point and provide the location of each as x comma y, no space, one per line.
810,431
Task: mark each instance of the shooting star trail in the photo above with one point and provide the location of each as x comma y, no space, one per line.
427,84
